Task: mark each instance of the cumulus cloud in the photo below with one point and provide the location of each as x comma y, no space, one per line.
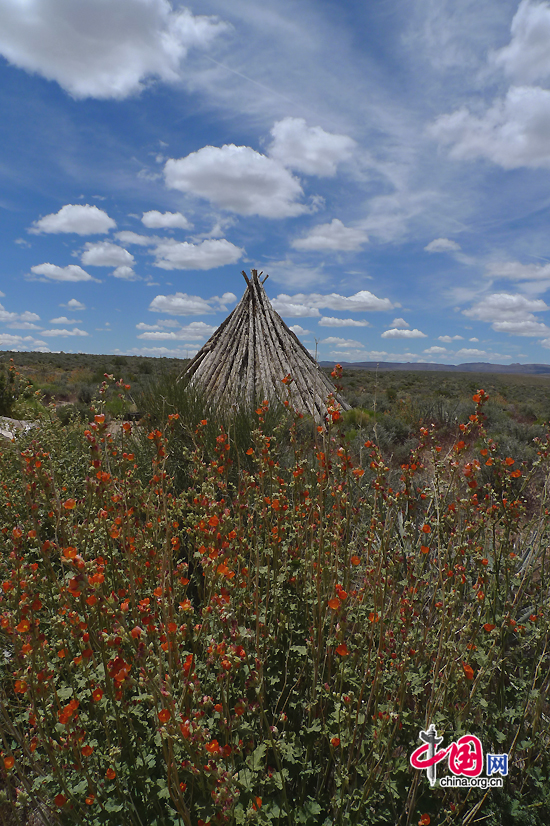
292,309
102,49
333,236
182,352
363,301
442,245
513,130
183,304
62,320
435,351
516,271
395,332
70,273
106,254
239,179
63,332
81,219
449,339
510,313
126,273
191,332
328,321
309,149
526,58
73,304
299,331
126,237
17,319
512,133
467,352
400,322
342,342
181,255
20,342
168,220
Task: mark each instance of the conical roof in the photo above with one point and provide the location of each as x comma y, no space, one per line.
250,354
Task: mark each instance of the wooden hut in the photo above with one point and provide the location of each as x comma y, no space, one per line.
250,354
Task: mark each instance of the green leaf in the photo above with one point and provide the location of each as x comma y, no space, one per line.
254,761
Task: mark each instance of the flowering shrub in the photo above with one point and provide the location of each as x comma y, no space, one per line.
265,645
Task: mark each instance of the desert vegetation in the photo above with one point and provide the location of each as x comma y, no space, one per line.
213,620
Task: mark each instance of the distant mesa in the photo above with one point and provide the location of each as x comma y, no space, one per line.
471,367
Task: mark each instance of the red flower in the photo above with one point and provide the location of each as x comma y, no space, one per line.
60,800
334,603
164,715
335,742
9,762
342,650
468,671
110,774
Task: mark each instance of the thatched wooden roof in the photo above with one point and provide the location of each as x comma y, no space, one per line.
249,355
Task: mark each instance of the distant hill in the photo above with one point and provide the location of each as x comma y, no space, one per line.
474,367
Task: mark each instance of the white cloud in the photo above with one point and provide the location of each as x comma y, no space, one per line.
435,351
239,179
102,49
527,57
292,309
81,219
126,273
333,236
143,326
400,322
516,271
466,352
20,342
73,304
295,275
473,339
512,133
510,313
70,273
309,149
442,245
185,352
17,318
183,304
172,220
126,237
363,301
181,255
342,342
328,321
397,333
63,332
299,331
63,320
449,339
105,254
191,332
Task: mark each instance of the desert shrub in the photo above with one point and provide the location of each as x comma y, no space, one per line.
265,647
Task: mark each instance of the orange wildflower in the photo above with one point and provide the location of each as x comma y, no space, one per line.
335,742
110,774
334,603
164,715
468,671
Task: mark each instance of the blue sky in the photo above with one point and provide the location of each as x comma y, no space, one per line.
387,163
